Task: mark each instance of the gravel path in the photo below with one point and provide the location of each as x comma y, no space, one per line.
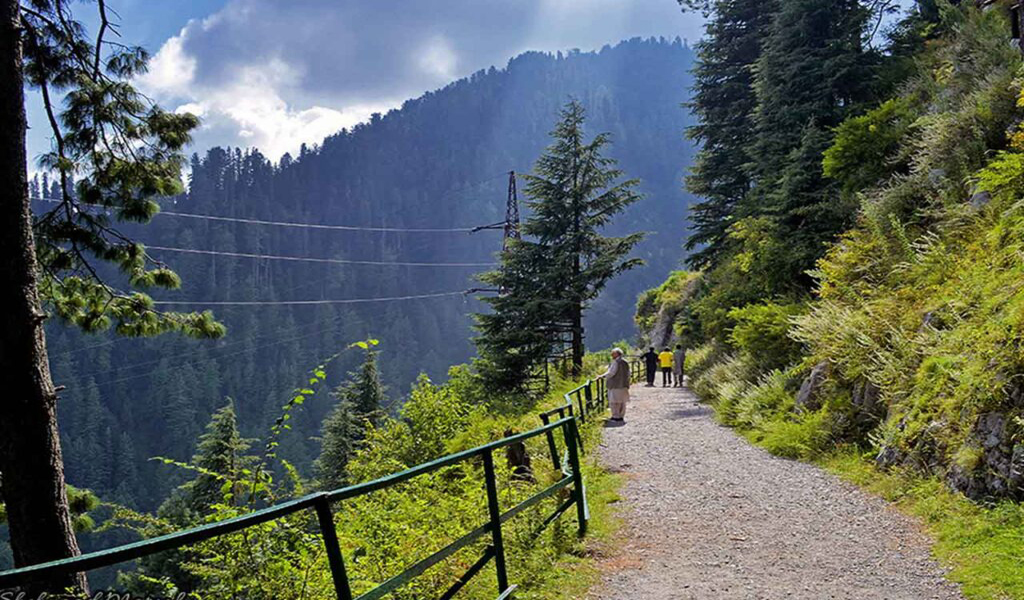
709,516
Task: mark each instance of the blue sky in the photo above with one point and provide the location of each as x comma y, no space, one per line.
278,73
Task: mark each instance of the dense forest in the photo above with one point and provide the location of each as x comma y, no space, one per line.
440,161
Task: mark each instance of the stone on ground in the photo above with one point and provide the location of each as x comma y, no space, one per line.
710,517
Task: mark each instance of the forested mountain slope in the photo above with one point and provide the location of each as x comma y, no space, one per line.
438,162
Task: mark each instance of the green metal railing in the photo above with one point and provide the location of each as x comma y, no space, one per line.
636,370
568,465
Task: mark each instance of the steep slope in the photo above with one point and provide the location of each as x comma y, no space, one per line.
438,162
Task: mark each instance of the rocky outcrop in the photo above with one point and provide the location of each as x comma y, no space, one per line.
659,310
867,399
810,397
662,334
998,468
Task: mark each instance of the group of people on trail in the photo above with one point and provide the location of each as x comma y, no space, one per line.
668,362
617,377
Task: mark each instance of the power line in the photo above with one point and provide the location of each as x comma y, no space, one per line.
320,323
340,261
84,348
316,226
306,302
212,358
306,225
260,346
124,338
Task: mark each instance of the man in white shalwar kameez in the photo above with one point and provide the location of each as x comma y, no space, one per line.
617,381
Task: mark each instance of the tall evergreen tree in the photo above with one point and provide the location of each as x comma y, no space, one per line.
812,72
360,402
364,390
219,458
220,453
113,148
338,436
724,100
573,192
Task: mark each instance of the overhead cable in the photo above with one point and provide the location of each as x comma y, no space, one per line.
306,302
340,261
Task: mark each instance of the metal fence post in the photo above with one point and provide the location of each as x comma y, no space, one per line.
588,392
583,410
334,557
572,435
495,515
552,448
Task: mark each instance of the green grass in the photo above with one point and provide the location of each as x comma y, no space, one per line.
573,573
982,545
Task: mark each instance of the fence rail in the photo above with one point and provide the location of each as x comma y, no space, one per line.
585,400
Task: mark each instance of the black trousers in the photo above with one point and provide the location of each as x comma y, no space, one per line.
651,371
666,375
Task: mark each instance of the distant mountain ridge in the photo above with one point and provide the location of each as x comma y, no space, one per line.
439,161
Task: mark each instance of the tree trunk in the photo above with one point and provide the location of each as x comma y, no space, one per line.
577,341
30,458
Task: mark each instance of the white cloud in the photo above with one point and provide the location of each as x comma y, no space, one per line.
252,105
439,58
191,107
171,71
275,75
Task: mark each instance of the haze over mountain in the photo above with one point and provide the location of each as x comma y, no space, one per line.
441,161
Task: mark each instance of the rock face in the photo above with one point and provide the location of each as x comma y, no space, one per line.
999,471
867,398
662,335
809,397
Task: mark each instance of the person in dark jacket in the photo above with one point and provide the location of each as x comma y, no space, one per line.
651,363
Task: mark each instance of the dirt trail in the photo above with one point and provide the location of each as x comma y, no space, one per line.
709,516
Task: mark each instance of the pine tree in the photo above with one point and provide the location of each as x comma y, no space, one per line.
112,147
219,458
812,72
549,281
337,445
360,400
365,391
724,101
221,450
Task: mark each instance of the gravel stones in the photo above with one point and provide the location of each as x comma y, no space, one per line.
709,517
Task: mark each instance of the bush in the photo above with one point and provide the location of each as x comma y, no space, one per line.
765,401
761,334
866,148
797,436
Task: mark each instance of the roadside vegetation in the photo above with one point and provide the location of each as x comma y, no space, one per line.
383,532
872,322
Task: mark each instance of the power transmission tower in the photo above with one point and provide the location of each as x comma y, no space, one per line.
511,212
510,226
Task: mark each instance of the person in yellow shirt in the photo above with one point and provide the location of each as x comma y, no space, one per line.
665,362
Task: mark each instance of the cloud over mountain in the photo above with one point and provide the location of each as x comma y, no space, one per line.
276,74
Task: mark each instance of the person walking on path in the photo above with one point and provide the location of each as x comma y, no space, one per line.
616,379
678,360
651,362
665,362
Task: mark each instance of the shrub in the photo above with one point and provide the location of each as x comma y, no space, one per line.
765,401
798,436
865,147
761,334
